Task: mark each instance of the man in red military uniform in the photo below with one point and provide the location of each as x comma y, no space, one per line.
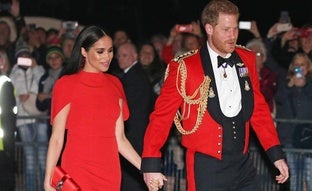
216,92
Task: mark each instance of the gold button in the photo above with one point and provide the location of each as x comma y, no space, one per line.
219,152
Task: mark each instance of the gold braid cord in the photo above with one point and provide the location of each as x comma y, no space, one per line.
201,101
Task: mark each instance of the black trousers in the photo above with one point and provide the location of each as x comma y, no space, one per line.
232,173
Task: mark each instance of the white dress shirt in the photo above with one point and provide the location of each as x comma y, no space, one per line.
227,87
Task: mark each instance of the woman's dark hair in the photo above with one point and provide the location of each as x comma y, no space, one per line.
85,39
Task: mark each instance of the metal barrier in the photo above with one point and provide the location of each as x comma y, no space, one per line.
20,157
175,171
174,167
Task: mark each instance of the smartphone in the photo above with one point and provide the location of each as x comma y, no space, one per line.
244,25
184,28
23,61
70,25
298,72
284,17
281,27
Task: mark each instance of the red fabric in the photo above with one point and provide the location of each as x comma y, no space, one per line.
268,85
167,53
91,155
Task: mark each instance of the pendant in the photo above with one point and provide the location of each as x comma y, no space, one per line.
224,74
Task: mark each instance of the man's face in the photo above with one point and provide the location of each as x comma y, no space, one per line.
223,37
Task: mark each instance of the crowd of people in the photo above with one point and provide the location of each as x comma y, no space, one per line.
132,108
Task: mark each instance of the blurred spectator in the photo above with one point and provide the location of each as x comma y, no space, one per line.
67,44
52,36
288,43
36,44
120,37
305,38
173,45
55,59
267,77
42,34
25,79
5,66
152,64
159,41
174,42
294,102
189,42
5,31
140,97
6,44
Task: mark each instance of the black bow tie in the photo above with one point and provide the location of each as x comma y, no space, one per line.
229,61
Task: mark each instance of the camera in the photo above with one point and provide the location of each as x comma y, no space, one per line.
69,25
184,28
284,17
298,72
244,25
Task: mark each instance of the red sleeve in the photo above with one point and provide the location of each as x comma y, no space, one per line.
161,119
121,91
167,53
61,95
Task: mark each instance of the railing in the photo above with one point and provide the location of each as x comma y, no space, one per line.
174,167
175,171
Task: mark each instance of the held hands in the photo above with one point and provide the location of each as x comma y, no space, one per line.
154,180
283,169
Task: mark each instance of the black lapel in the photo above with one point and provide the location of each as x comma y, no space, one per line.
245,86
213,102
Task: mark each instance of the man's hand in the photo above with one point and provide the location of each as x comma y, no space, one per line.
283,169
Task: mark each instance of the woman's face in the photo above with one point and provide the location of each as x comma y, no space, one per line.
99,56
146,55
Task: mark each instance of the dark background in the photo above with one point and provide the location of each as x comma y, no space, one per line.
142,18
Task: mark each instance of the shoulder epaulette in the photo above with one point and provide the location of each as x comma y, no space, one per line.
243,47
184,55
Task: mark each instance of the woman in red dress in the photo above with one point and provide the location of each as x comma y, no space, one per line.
91,105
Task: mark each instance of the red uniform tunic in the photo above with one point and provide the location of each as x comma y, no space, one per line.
208,139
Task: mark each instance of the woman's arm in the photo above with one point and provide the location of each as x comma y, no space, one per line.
55,145
124,146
